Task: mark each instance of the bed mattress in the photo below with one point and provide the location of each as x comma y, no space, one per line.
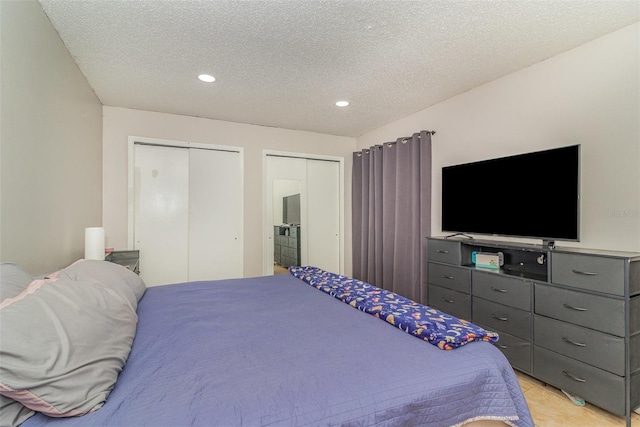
274,351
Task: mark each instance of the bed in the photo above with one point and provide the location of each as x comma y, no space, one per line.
274,351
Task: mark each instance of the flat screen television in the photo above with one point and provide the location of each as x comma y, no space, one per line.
535,195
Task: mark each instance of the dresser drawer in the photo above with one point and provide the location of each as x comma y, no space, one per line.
517,350
634,345
635,390
287,262
443,251
448,276
599,387
505,290
292,242
589,272
595,348
592,311
503,318
451,302
293,232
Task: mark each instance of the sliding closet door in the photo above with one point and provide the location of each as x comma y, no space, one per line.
188,212
162,213
320,183
215,215
323,214
293,171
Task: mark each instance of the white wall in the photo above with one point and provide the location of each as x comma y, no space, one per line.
589,96
51,152
120,123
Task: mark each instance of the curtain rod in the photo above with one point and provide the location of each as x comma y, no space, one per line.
432,132
406,138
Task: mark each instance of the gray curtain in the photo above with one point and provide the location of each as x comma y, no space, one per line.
391,209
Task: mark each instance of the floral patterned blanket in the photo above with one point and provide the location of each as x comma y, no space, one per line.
434,326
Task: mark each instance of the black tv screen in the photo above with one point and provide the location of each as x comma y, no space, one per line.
529,195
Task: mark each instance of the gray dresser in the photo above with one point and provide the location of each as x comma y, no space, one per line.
569,317
286,245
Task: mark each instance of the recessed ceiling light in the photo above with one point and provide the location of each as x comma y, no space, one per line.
207,78
342,103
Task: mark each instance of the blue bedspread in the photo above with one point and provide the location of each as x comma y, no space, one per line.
429,324
273,351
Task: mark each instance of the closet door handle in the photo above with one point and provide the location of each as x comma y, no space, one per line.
447,277
574,308
440,251
577,344
502,319
450,301
580,380
502,291
585,273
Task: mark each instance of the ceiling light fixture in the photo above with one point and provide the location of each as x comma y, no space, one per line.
342,103
208,78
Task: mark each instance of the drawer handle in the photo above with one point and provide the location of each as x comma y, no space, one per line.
574,308
446,300
440,251
585,273
577,344
447,277
504,347
502,319
580,380
502,291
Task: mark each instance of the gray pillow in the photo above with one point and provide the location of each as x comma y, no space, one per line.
114,276
64,344
13,413
13,280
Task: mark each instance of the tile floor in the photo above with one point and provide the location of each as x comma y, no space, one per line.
550,408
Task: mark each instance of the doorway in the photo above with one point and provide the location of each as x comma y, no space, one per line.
303,211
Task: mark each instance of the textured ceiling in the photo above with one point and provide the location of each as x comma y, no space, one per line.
285,63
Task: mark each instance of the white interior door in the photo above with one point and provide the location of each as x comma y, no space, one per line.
215,215
162,213
323,214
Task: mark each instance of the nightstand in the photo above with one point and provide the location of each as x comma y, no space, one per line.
128,259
